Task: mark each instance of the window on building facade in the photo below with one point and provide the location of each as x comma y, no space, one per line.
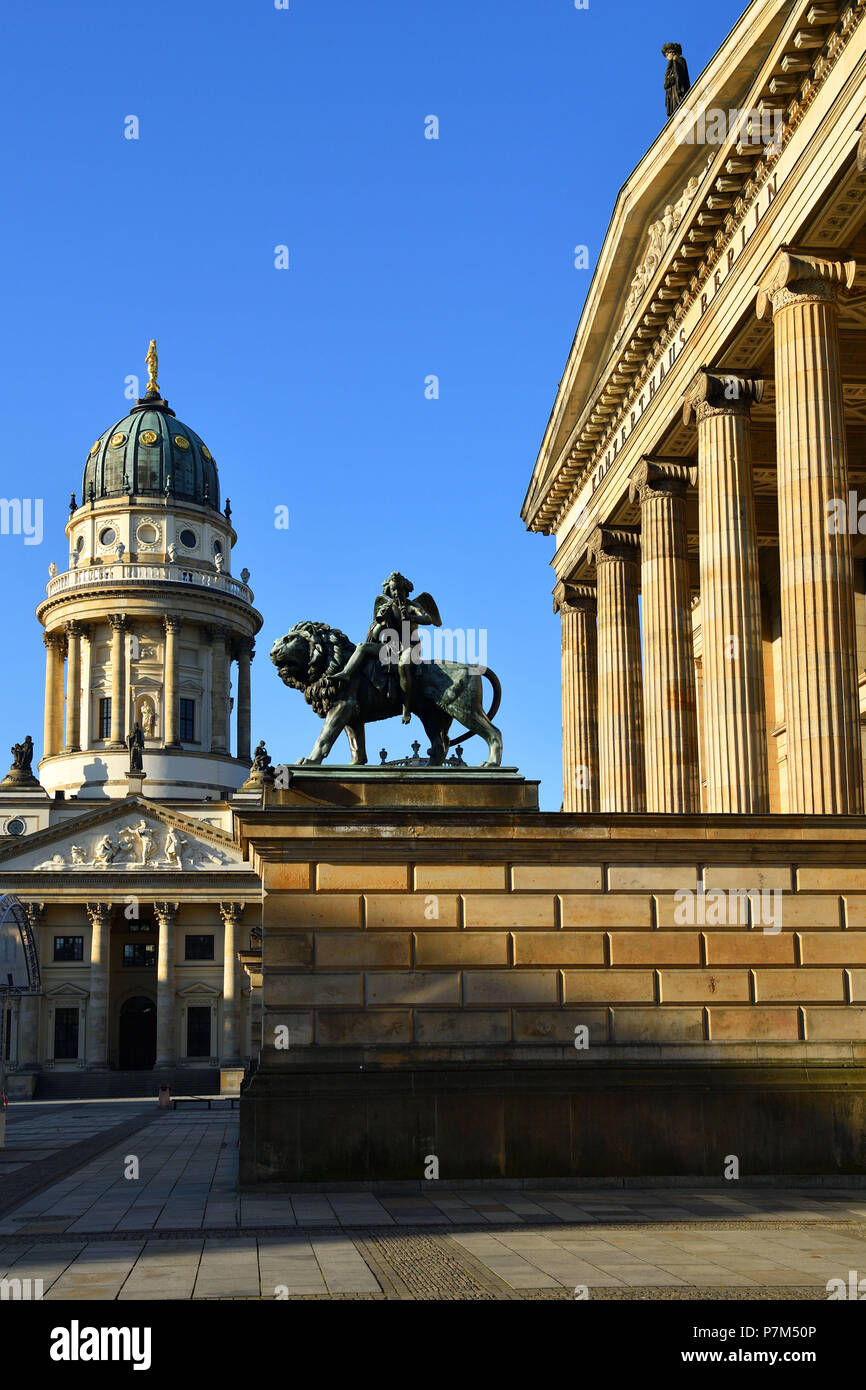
105,717
198,1031
69,948
139,953
199,948
65,1034
187,721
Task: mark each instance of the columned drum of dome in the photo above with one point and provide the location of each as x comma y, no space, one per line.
148,582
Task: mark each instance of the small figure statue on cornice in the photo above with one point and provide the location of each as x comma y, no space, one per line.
120,551
245,575
135,744
261,759
52,570
22,754
676,76
172,552
218,562
20,773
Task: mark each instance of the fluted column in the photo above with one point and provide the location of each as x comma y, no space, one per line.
616,553
51,734
166,1030
245,654
576,606
96,1050
219,676
171,722
669,703
28,1018
734,715
74,633
118,679
230,1052
819,648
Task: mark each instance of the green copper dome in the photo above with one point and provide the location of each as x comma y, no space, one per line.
151,453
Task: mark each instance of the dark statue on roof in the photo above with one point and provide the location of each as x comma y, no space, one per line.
350,685
676,76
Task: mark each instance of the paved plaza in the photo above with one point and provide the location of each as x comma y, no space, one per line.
157,1215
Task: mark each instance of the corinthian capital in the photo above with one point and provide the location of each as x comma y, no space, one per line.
231,913
657,477
574,598
611,543
719,392
100,914
165,913
794,277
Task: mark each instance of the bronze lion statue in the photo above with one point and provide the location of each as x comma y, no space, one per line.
311,653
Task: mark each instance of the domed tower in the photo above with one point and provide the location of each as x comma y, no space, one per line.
147,619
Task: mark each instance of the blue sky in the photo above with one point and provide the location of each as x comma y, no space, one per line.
408,258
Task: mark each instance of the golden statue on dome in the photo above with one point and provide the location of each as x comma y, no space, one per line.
152,368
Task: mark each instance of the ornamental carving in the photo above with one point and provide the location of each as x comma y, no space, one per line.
658,235
136,846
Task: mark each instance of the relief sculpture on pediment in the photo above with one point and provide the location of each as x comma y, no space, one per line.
136,847
659,234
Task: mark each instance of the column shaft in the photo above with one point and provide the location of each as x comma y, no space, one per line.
669,702
819,648
96,1052
171,684
118,681
245,656
734,716
576,606
219,679
53,680
166,1031
73,689
230,1051
621,746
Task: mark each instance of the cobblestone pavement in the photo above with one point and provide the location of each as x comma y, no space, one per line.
158,1217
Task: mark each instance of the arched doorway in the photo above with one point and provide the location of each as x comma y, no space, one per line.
137,1041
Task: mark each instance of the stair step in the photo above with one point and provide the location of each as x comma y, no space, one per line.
115,1085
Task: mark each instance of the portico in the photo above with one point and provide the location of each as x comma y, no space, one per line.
717,416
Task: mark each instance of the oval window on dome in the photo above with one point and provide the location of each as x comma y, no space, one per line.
117,440
94,449
217,548
147,533
181,441
189,539
206,453
15,826
79,544
148,436
107,535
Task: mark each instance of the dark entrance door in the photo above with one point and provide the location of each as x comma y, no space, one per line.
137,1050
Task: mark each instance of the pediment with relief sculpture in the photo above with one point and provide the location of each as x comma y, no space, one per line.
130,837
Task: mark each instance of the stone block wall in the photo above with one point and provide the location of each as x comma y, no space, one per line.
433,972
416,955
